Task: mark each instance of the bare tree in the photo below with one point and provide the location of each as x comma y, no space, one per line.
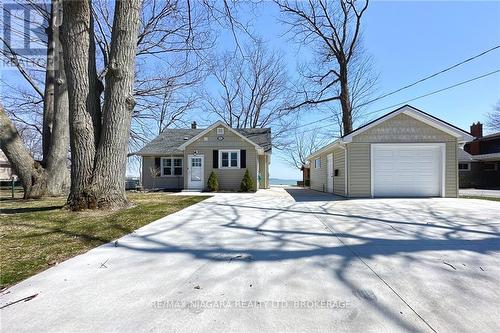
332,29
301,145
31,173
53,118
32,140
99,140
493,121
155,173
253,89
172,38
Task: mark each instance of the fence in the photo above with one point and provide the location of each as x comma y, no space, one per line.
11,189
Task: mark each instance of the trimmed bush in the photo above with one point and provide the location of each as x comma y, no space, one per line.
213,182
247,183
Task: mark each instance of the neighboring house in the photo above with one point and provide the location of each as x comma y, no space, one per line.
306,175
405,153
479,161
182,159
6,171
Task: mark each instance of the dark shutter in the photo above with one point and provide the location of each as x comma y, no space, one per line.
215,159
243,158
157,163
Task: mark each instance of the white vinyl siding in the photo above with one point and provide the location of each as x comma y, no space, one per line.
340,178
229,179
358,175
319,175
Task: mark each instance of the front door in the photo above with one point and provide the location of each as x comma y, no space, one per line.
195,172
329,173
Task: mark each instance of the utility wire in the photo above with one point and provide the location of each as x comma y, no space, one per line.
404,102
411,85
431,76
436,91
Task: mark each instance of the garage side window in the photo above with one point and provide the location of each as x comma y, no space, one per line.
464,166
317,163
490,167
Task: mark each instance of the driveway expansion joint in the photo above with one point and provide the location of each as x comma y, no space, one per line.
335,233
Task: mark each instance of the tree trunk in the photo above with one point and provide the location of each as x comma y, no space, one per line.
58,180
111,158
84,105
30,172
345,100
99,151
48,98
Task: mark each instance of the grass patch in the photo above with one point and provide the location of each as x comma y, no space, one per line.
478,197
36,234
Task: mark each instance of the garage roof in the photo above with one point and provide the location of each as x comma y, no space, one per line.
411,111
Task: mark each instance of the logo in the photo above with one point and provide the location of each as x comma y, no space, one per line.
24,34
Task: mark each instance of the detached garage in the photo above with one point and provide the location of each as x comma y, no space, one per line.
405,153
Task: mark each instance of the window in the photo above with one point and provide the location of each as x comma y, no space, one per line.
464,166
177,166
171,166
220,130
490,167
166,168
229,159
317,163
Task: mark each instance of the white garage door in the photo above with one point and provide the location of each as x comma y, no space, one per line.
406,170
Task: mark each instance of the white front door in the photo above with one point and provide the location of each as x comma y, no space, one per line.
329,173
196,165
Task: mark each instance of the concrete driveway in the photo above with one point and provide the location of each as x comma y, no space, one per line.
271,263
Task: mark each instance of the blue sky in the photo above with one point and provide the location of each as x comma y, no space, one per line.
408,41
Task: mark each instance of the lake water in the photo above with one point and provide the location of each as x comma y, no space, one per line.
277,181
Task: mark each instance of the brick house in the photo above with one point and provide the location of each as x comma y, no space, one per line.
479,161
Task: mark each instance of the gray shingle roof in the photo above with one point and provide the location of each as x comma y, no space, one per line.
260,136
464,156
170,139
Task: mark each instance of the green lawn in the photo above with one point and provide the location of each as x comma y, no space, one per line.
36,234
478,197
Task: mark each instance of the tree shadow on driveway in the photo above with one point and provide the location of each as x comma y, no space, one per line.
272,235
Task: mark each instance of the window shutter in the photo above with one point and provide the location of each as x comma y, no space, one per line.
215,159
157,163
243,158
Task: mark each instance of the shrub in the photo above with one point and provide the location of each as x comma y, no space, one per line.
247,183
213,182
